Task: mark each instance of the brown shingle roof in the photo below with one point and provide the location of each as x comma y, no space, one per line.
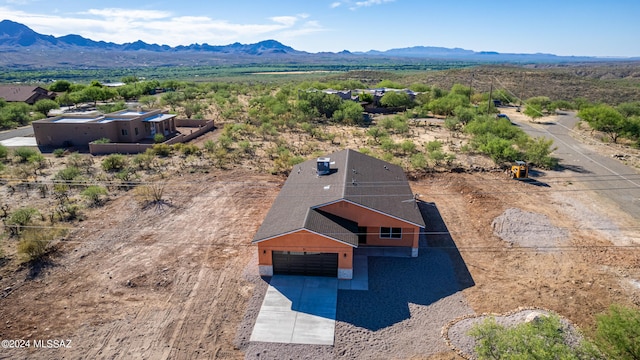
333,226
28,94
355,177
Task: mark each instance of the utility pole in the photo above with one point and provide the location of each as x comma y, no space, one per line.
524,74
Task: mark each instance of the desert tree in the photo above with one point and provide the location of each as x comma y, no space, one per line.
606,119
45,105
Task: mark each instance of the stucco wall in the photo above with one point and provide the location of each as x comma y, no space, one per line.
373,221
77,134
305,241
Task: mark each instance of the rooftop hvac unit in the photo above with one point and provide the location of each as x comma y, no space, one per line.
324,166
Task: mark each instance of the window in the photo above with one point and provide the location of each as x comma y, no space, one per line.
390,233
125,132
136,131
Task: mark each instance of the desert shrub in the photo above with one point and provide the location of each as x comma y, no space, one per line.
537,151
94,194
499,149
543,338
34,243
4,152
37,159
389,145
387,123
408,146
21,218
433,145
68,211
125,174
437,156
112,107
158,138
464,114
418,161
23,154
618,333
114,162
452,123
189,149
163,150
245,147
401,125
144,160
377,133
209,145
76,160
151,195
69,173
103,140
497,138
58,153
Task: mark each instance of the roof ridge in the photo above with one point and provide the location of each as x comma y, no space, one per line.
344,178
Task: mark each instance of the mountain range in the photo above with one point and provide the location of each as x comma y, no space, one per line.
18,38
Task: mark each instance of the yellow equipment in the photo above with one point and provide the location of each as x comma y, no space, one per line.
520,170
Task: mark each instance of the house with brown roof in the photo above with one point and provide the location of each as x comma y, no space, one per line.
329,206
26,94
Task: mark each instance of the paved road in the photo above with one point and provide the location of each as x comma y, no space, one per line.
19,132
607,176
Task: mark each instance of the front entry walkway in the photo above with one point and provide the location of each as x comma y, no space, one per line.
298,310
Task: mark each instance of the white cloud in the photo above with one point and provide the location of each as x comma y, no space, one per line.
151,26
368,3
114,13
335,4
285,20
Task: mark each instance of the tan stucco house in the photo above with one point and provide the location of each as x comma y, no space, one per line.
331,205
124,126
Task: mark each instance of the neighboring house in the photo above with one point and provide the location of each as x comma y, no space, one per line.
329,206
343,94
124,126
26,94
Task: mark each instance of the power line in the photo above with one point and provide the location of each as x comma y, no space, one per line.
425,232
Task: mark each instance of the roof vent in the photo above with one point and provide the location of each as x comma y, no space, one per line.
324,166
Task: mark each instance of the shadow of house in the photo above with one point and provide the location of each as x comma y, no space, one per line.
438,272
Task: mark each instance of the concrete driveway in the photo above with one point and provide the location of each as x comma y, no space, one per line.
298,310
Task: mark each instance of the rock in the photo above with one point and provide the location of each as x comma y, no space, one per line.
535,317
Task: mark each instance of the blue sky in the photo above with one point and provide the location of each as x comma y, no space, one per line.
569,27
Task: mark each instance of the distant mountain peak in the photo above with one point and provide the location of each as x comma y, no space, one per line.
13,34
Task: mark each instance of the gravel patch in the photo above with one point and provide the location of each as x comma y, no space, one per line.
402,314
527,229
588,218
457,332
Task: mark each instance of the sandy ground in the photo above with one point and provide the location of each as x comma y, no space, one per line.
181,282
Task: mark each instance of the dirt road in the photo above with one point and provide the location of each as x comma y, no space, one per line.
609,178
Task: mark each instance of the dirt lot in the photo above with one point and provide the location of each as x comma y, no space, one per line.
176,282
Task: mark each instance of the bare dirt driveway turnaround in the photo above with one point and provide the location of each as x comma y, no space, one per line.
606,176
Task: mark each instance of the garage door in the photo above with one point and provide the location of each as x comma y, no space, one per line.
300,263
